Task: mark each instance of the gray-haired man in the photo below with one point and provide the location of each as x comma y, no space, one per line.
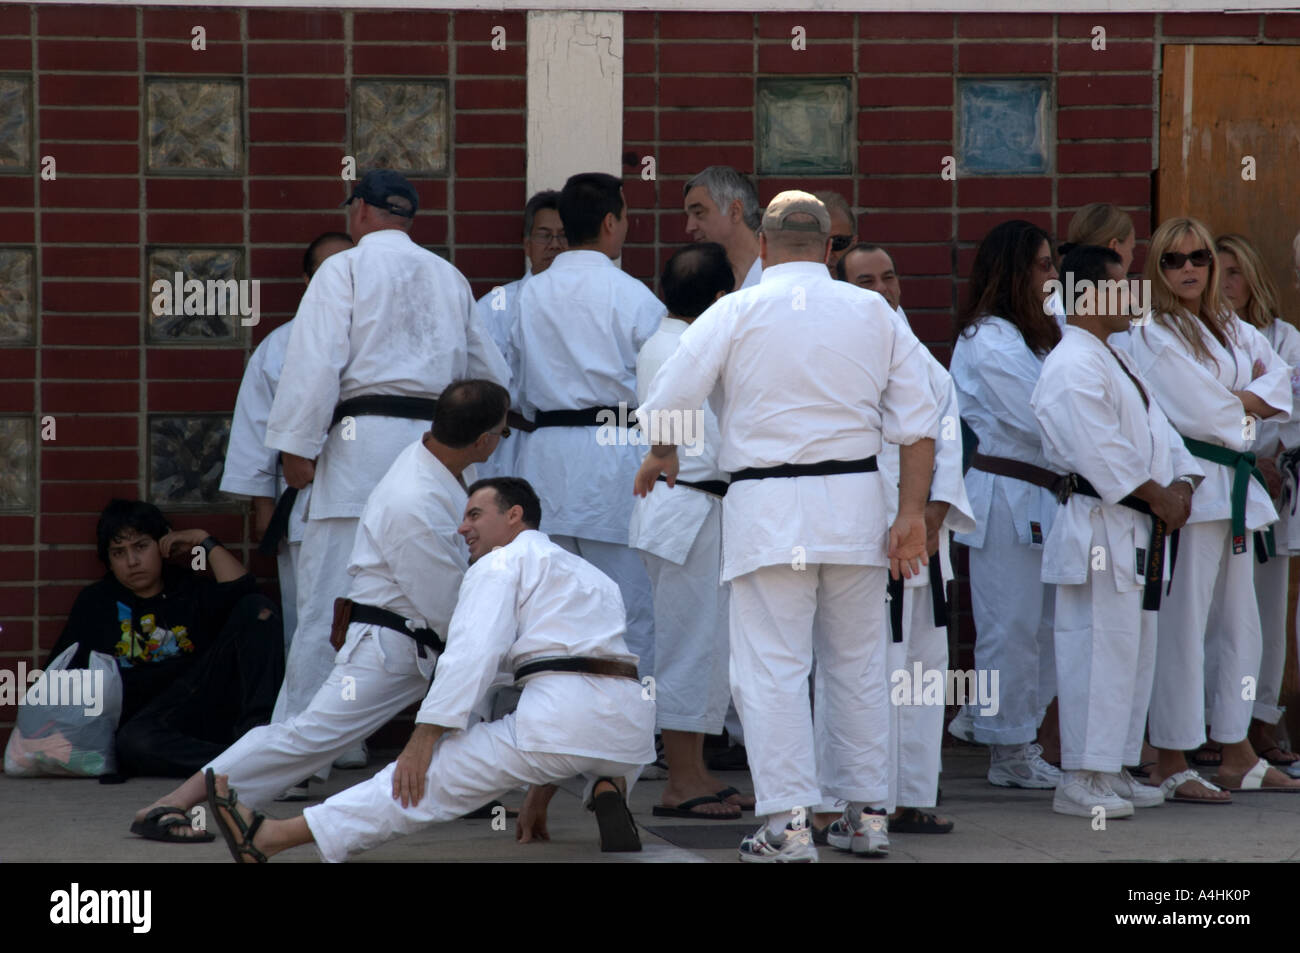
722,206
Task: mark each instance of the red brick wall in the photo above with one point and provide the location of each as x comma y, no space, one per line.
688,97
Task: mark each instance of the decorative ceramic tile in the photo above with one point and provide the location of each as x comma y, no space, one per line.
803,126
1002,126
17,292
15,123
166,322
186,456
194,125
17,482
400,126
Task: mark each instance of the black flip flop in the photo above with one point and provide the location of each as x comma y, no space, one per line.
684,809
731,792
617,828
915,821
246,831
151,828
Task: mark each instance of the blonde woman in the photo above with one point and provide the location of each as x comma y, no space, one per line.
1249,289
1106,225
1215,377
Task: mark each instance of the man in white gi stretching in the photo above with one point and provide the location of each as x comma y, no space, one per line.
553,620
382,329
1107,549
678,532
579,329
814,375
406,568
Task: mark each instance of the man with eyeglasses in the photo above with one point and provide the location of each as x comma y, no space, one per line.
543,240
722,206
406,568
843,230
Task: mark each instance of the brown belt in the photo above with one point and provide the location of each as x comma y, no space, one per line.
1058,483
582,664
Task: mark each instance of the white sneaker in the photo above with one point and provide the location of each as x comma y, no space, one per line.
795,847
1021,766
963,725
1131,789
867,835
356,757
1080,793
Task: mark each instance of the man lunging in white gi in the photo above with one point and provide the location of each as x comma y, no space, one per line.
382,329
1132,485
814,373
406,568
557,623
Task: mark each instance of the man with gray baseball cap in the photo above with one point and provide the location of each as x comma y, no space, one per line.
815,374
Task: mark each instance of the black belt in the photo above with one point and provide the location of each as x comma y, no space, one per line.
825,468
1058,483
373,615
713,487
371,405
578,663
586,417
938,599
1155,566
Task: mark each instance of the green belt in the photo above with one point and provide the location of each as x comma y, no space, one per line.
1243,468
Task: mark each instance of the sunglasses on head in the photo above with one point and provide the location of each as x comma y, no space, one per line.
841,242
1172,260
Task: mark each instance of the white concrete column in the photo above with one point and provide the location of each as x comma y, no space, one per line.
575,95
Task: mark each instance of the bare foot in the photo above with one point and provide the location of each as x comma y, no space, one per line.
675,797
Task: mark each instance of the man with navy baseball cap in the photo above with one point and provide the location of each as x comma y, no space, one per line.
379,187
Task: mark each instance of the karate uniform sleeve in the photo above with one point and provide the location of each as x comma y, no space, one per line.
428,568
1273,387
485,360
482,631
909,410
318,350
948,484
690,373
250,464
1078,420
1192,398
649,314
1004,372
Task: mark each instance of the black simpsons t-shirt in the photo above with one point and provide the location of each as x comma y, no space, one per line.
154,640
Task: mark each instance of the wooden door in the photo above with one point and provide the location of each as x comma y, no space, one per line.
1221,106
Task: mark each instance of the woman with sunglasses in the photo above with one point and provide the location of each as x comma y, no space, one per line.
1215,377
1002,338
1249,288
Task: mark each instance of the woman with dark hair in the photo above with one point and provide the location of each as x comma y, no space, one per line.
1002,337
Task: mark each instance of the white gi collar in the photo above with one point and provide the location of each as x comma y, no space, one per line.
794,269
385,235
581,258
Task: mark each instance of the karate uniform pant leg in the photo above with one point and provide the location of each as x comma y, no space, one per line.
468,769
1102,681
322,577
1177,715
359,697
1013,625
1233,642
692,685
916,730
1271,580
623,564
286,562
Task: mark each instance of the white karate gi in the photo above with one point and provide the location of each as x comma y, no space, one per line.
384,317
252,469
524,602
408,559
579,328
995,372
1210,619
916,730
496,310
811,370
753,276
678,531
1094,423
1273,577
